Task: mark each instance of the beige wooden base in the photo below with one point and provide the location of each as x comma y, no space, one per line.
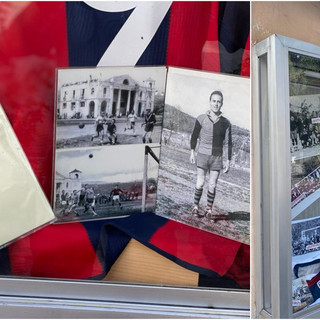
139,264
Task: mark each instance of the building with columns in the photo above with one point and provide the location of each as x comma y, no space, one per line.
116,96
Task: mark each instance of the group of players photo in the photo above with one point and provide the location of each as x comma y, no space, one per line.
304,129
106,127
87,202
106,118
305,236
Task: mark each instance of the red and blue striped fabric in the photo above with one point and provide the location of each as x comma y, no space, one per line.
314,286
38,37
88,250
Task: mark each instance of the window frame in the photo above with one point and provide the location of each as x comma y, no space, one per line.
90,298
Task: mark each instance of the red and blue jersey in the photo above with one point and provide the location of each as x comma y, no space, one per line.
36,38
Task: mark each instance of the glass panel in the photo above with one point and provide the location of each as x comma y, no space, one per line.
304,77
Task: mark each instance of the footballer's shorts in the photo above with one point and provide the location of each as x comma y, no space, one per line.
209,162
148,127
99,127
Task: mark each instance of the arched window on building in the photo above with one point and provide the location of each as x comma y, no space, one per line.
103,107
91,109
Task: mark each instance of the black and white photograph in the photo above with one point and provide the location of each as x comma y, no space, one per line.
304,126
204,173
304,106
109,106
305,239
93,183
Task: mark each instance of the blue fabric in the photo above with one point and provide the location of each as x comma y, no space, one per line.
233,32
90,32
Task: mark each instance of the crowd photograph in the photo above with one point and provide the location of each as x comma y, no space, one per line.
304,125
305,187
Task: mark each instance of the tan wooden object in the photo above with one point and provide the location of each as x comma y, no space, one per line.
139,264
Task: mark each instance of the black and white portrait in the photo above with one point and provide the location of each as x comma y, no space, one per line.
93,183
204,175
109,105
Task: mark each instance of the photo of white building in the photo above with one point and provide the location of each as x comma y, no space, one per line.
116,96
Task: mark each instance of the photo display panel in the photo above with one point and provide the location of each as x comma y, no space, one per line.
108,130
304,88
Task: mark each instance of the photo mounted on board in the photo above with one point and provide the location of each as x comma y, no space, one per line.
95,183
204,175
109,105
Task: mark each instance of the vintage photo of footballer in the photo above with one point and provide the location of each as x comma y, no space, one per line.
204,173
93,183
109,106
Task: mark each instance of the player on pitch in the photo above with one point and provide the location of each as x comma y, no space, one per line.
150,120
212,131
100,121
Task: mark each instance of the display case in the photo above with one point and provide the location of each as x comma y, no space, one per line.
160,269
285,156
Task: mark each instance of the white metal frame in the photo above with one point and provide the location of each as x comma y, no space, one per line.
271,174
45,298
64,298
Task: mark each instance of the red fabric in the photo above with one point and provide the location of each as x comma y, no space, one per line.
245,65
240,269
33,43
193,35
56,251
183,241
210,57
314,280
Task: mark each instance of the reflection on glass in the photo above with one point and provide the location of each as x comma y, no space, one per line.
304,78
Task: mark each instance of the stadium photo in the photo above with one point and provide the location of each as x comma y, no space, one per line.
305,188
